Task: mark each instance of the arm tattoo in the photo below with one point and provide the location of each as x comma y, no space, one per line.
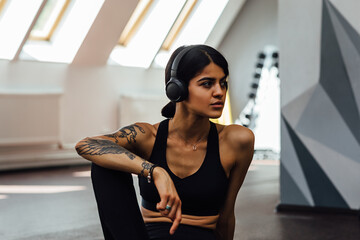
146,166
101,147
128,132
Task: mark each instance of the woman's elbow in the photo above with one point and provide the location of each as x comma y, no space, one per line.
81,146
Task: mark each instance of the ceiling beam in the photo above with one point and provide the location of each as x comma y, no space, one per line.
105,32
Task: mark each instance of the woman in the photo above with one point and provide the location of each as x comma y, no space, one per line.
190,169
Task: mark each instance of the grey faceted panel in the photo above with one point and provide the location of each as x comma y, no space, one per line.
349,42
353,34
343,172
321,121
320,128
290,163
294,109
334,77
290,193
322,189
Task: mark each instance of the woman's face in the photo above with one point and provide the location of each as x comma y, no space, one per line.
207,92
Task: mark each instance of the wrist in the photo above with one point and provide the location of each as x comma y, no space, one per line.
157,172
150,176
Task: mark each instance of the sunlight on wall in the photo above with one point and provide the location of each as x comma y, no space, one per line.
39,189
3,197
82,174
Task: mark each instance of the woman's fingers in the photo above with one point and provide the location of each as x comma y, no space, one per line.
162,204
176,221
170,203
169,209
172,212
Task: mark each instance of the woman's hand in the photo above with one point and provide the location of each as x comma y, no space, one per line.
170,203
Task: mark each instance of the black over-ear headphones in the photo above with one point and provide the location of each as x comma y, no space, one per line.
177,89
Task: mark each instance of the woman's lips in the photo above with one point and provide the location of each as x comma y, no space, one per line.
217,104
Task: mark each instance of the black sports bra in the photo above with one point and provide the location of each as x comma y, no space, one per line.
202,193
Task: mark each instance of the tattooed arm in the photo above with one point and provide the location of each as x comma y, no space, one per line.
126,150
119,150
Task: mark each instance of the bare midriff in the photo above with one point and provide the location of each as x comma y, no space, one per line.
199,221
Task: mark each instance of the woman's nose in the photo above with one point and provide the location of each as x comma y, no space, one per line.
218,91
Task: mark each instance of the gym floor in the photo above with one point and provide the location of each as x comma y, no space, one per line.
58,203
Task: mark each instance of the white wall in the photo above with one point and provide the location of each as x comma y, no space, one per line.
89,102
90,95
254,28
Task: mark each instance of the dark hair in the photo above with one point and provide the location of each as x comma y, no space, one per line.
191,64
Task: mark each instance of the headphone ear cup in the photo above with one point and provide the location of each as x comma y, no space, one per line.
176,90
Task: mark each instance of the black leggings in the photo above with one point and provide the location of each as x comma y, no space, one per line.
120,214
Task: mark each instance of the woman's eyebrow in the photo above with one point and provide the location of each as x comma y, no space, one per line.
211,79
224,78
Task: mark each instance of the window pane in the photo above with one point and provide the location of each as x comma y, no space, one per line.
70,34
48,18
146,42
179,23
196,28
14,23
135,21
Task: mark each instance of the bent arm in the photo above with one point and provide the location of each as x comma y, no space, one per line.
122,151
113,151
245,148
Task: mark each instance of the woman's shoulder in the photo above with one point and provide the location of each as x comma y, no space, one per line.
144,137
146,128
236,135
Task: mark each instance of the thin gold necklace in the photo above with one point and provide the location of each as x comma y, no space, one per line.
194,146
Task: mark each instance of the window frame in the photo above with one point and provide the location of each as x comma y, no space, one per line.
141,11
135,21
184,14
47,36
2,4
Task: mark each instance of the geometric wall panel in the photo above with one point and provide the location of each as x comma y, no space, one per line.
294,109
334,77
293,174
294,195
349,43
322,122
343,172
322,189
320,137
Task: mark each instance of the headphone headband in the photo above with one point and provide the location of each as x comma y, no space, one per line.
179,56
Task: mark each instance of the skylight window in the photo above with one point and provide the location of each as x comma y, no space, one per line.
53,30
15,21
148,39
157,27
70,32
135,20
195,29
179,23
2,4
49,19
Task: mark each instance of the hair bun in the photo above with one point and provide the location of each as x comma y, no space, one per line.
168,110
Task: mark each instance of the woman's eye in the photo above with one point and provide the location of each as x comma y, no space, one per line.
206,84
224,84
